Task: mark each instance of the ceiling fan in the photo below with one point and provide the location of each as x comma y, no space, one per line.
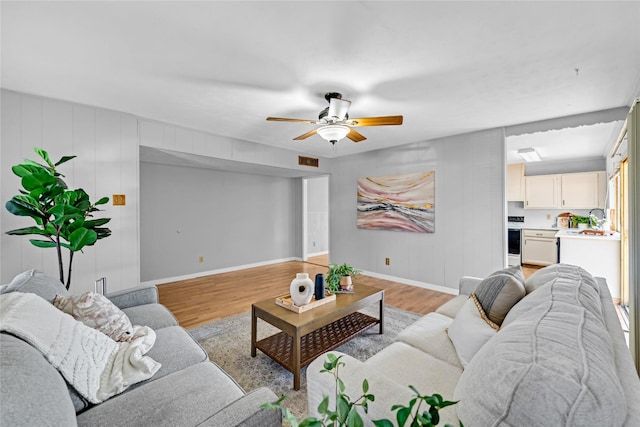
335,123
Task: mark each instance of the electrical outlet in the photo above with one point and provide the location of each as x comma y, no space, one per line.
548,216
386,261
201,259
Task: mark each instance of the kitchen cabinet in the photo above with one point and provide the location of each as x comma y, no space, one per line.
539,247
515,182
542,192
584,190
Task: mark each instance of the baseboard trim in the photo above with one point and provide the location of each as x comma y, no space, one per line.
410,282
218,271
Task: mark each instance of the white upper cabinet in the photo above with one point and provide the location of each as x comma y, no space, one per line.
542,192
515,182
585,190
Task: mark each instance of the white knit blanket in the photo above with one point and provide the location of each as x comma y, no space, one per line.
95,365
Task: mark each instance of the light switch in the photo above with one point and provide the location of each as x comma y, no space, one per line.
119,200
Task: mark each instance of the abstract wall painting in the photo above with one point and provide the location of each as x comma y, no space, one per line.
403,202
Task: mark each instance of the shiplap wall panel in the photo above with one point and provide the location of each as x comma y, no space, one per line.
96,136
469,211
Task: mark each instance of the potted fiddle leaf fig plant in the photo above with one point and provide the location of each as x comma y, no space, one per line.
339,277
63,218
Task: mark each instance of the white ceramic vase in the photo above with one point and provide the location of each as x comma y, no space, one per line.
301,289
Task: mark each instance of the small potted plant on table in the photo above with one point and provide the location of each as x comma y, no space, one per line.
339,277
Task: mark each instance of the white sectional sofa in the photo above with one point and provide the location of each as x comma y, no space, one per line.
559,357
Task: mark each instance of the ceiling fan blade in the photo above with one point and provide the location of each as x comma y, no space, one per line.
306,135
280,119
376,121
355,136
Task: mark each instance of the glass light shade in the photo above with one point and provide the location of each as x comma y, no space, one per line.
338,108
529,154
333,132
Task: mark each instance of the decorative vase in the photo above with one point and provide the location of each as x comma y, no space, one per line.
301,289
346,283
319,294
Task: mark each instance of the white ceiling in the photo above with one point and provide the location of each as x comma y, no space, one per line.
223,67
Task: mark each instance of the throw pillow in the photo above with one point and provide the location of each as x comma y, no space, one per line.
96,311
469,331
36,282
501,291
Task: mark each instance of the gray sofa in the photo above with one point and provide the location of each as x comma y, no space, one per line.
188,390
558,358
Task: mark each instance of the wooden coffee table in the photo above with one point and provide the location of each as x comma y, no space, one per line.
307,335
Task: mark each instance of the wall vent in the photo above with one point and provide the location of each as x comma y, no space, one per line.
307,161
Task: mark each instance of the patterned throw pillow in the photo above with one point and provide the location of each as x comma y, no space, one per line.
500,291
96,311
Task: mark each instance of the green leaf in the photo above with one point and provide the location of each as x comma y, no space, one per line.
402,416
64,159
343,408
28,230
82,237
435,416
36,180
354,419
310,422
382,423
323,407
365,386
96,222
341,385
42,243
45,156
19,208
102,201
415,390
25,169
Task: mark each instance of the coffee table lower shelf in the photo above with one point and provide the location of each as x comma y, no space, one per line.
279,347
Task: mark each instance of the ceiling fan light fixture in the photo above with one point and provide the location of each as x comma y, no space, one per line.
333,133
529,154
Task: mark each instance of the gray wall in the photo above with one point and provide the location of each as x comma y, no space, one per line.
230,219
571,166
469,236
317,215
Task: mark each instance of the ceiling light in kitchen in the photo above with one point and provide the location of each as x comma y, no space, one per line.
529,154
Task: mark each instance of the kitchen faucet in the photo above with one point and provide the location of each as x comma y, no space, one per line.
592,217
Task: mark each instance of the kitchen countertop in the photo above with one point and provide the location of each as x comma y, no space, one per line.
573,233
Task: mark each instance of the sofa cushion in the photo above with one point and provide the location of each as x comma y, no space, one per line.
155,316
36,282
469,331
429,335
451,307
501,291
174,349
184,398
97,312
552,363
33,392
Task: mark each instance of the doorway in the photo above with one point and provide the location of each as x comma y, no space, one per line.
316,219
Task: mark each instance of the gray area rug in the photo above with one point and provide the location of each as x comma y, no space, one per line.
228,343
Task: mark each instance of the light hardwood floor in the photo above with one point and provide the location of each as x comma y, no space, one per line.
195,302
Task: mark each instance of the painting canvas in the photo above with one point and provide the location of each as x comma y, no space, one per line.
397,202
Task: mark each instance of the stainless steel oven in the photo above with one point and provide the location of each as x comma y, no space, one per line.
514,241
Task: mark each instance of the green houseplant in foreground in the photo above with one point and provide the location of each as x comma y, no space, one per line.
335,274
62,216
346,411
